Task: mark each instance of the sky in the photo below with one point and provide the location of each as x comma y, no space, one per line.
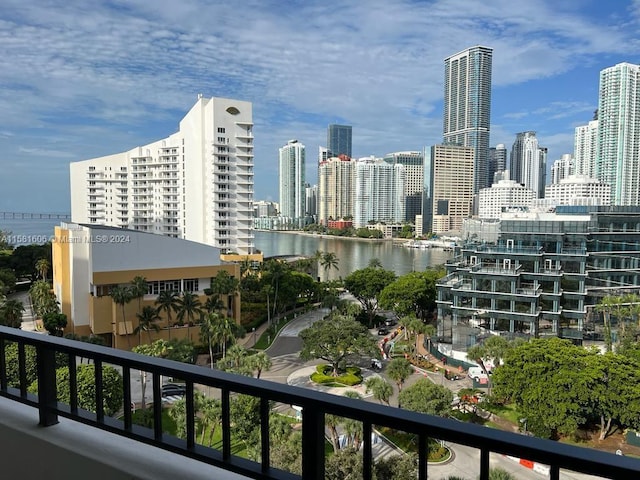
82,79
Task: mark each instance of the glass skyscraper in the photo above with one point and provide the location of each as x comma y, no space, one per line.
467,106
339,140
618,146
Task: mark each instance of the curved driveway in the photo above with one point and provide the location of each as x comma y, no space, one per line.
288,341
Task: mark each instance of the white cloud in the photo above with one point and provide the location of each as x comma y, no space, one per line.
105,76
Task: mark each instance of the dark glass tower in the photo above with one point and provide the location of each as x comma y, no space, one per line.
467,106
339,140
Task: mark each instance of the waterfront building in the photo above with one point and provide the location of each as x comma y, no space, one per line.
543,276
90,260
586,148
195,184
497,163
336,177
578,190
562,168
528,162
263,208
501,195
413,163
379,192
311,202
292,182
339,140
452,186
467,106
618,151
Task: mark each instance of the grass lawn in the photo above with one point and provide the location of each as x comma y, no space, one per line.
508,412
408,442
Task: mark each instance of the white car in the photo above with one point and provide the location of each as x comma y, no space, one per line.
477,374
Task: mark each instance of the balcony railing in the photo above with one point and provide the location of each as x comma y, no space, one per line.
315,405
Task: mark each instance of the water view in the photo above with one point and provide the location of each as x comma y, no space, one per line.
352,254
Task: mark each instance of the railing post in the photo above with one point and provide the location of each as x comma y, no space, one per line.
47,389
312,443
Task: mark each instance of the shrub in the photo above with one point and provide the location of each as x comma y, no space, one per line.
323,375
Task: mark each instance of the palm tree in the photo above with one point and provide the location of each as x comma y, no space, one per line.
139,288
189,307
208,331
211,411
374,263
11,312
224,285
329,260
121,295
353,428
43,266
398,370
259,362
224,328
380,388
167,302
147,321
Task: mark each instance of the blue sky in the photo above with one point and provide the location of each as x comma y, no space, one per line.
84,79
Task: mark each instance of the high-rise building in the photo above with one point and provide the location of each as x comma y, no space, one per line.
336,178
196,184
339,140
292,182
311,203
503,194
323,154
562,168
585,148
379,192
467,106
452,186
578,190
497,162
413,163
618,156
528,162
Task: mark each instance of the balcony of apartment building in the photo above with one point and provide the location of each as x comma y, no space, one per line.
505,268
72,443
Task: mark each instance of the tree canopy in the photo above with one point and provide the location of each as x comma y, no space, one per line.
336,339
424,396
366,284
559,387
413,293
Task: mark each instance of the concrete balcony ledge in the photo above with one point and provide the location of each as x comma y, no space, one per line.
71,450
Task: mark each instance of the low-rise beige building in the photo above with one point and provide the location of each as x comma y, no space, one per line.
90,260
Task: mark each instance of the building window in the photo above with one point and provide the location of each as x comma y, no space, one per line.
191,285
221,130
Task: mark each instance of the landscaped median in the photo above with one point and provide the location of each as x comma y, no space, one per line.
348,378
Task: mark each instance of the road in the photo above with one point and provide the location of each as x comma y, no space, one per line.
466,462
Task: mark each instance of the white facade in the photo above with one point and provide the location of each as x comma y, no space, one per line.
618,156
586,148
579,190
503,194
292,182
196,184
413,163
562,168
379,192
528,162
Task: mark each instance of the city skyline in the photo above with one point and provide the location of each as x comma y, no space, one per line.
123,77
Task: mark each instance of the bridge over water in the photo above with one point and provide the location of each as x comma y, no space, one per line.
33,216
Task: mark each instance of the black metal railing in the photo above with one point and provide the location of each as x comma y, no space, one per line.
315,405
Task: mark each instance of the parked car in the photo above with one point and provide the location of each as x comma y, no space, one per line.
173,389
383,331
389,322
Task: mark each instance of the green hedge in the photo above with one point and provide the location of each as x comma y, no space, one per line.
323,376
